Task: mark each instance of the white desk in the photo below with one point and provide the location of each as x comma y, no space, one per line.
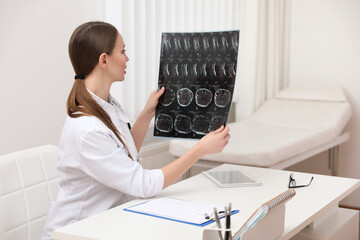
309,204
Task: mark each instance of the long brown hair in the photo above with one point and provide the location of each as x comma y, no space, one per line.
87,43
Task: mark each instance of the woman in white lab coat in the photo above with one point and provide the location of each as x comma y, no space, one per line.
98,151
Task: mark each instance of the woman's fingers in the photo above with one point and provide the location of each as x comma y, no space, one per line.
159,93
219,130
226,130
222,130
227,137
215,141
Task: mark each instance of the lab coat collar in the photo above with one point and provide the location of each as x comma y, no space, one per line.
111,106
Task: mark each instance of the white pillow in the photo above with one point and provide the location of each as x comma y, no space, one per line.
313,91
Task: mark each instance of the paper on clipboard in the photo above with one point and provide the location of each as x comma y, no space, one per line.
178,210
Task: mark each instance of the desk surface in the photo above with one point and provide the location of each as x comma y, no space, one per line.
309,204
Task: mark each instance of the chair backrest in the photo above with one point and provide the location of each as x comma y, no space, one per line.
29,182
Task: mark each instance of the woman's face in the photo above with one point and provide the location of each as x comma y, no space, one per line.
117,60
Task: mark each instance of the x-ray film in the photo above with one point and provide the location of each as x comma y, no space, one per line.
198,72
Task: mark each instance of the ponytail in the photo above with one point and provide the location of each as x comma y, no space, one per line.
87,43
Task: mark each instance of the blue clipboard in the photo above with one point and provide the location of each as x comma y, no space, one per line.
202,224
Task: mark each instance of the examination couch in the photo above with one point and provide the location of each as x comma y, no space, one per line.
299,122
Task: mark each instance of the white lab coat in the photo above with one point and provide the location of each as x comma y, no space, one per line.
96,172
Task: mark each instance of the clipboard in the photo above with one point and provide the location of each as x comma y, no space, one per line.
179,210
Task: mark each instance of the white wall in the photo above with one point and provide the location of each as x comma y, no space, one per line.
35,71
325,46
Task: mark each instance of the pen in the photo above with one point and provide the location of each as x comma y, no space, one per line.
226,223
230,220
197,211
218,223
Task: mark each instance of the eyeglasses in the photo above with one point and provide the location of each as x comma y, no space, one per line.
292,182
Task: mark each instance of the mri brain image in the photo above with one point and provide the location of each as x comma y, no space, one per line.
222,97
184,97
214,72
165,70
168,97
200,125
203,97
222,71
164,123
198,70
195,69
175,69
184,69
231,71
204,69
216,122
182,124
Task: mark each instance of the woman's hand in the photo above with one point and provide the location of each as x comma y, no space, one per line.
142,122
214,142
152,102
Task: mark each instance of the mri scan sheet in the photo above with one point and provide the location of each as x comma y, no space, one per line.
198,72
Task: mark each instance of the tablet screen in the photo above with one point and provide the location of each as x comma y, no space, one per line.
231,178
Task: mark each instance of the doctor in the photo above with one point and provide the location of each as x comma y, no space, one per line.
98,151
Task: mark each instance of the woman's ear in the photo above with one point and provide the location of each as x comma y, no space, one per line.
102,60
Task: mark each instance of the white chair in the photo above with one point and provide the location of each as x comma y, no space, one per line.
29,182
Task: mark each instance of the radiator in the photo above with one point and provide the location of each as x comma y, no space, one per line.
155,155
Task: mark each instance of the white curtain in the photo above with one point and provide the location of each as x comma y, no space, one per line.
262,67
141,22
265,28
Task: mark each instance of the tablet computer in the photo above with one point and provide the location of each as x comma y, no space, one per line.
232,178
